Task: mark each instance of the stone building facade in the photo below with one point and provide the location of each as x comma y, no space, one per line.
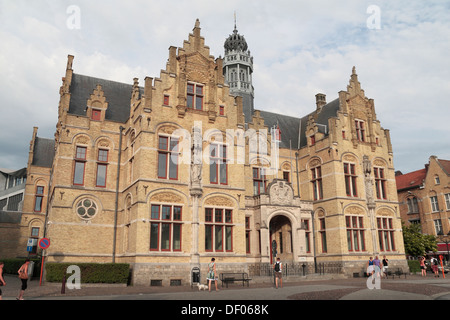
167,175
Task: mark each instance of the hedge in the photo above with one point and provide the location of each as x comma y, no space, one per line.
414,265
90,272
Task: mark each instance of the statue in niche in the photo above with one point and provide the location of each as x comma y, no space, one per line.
196,161
368,180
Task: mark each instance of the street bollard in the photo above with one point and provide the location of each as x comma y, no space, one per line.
63,286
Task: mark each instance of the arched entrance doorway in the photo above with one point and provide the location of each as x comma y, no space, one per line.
281,233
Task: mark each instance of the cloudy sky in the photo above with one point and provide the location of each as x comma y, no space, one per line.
401,50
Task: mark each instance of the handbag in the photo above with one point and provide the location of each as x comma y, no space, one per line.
23,275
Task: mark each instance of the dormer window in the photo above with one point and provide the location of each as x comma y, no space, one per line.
96,115
195,96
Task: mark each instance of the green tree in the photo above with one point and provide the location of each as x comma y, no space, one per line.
416,243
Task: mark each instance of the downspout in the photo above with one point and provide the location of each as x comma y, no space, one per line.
298,181
117,194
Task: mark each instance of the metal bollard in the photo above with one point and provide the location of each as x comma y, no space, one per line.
63,287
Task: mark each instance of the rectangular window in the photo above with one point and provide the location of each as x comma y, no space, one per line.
360,130
96,115
286,176
218,168
14,201
218,233
434,204
350,180
102,168
438,227
317,183
259,181
380,183
386,234
80,162
447,200
195,96
323,235
39,199
413,206
355,233
247,234
165,234
35,232
168,158
307,235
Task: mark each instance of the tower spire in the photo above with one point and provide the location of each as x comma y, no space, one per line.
235,28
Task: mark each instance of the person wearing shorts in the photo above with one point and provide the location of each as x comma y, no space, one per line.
278,269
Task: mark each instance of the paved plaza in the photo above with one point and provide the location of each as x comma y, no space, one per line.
413,287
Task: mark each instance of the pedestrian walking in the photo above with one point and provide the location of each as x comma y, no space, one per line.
2,281
278,269
23,276
385,265
212,274
434,266
423,267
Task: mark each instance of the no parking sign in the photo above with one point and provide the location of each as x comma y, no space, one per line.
44,243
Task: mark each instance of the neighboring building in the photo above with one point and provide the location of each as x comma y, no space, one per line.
424,197
117,193
12,189
23,205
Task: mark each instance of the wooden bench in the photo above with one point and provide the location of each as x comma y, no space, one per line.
399,272
232,277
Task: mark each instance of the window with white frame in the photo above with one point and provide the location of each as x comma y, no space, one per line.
438,227
434,204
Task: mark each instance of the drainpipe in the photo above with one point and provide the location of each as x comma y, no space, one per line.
298,182
117,194
314,241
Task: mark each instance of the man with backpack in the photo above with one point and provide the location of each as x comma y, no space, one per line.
278,269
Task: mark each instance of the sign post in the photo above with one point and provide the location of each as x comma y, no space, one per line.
44,243
442,265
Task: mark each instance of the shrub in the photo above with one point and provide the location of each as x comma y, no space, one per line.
90,272
414,265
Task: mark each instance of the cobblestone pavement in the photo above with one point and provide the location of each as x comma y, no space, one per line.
414,287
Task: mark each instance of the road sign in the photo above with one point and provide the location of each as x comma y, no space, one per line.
30,244
44,243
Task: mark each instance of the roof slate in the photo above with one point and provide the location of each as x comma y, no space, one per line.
43,153
117,95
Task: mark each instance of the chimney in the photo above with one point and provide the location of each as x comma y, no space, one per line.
321,100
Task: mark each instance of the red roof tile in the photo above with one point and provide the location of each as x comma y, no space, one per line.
411,179
445,165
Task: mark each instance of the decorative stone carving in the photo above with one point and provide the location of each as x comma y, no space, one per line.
354,210
385,212
281,192
166,197
368,181
219,201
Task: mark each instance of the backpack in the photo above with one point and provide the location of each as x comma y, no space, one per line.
277,266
